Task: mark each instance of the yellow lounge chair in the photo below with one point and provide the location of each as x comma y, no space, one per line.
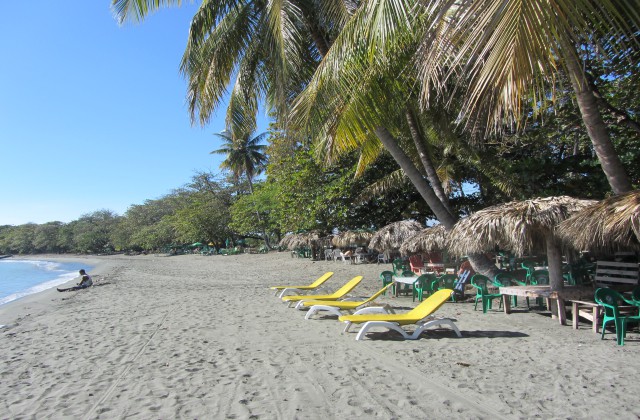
338,294
420,315
360,306
298,289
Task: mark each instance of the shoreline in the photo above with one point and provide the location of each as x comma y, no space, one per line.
194,336
41,300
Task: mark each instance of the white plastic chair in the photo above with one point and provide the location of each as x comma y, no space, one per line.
328,254
382,258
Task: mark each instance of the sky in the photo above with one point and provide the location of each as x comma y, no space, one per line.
93,114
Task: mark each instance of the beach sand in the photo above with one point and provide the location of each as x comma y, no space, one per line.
202,337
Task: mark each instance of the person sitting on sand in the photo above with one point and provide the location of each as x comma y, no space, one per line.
85,281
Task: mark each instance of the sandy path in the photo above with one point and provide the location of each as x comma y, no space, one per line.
202,337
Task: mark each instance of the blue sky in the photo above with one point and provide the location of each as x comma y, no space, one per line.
92,114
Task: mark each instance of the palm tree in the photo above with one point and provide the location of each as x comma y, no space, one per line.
245,155
508,53
270,48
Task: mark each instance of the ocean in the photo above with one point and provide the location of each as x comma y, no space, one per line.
19,278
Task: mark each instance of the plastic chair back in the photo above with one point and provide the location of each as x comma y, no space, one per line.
480,282
540,277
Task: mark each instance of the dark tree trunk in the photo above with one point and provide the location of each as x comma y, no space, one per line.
479,262
596,128
427,163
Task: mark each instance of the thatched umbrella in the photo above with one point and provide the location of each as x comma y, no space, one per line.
520,226
392,236
427,240
286,241
352,237
304,240
607,226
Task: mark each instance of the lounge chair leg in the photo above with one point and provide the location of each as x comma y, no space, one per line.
316,308
346,327
385,324
437,323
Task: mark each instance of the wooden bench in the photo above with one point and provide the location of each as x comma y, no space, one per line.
588,310
613,273
593,312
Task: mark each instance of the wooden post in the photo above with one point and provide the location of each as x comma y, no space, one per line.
556,281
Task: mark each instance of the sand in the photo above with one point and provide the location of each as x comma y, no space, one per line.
202,337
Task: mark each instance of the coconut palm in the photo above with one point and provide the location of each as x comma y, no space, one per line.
509,52
270,48
245,155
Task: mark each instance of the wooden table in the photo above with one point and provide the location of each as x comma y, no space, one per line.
567,293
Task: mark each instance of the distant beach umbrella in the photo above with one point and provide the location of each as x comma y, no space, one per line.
392,236
351,238
284,242
196,244
610,225
519,226
427,240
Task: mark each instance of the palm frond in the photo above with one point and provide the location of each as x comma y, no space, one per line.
137,10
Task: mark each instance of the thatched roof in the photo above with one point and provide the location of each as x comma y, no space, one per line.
429,239
392,236
352,237
609,225
518,226
300,240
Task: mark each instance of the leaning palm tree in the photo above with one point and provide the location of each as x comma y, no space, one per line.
508,53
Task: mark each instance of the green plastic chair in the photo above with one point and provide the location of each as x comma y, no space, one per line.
422,285
506,280
448,281
398,266
482,293
528,265
610,299
540,277
387,278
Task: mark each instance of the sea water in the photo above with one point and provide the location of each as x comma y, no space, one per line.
19,278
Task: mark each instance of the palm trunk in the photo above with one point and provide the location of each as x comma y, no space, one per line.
416,178
479,262
427,163
596,128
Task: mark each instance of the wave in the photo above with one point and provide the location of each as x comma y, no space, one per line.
44,265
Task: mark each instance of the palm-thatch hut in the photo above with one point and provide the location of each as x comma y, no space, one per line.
392,236
427,240
352,238
286,241
520,226
607,226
